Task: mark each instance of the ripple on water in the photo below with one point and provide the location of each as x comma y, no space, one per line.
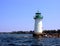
27,40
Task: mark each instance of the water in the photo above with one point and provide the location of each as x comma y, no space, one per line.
27,40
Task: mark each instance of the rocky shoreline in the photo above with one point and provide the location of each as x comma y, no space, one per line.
46,35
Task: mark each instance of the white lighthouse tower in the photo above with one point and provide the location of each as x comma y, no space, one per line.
38,23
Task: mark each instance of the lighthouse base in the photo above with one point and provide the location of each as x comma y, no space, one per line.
39,35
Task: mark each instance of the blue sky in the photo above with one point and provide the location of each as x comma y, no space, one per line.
16,15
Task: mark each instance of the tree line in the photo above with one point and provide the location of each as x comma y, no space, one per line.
31,32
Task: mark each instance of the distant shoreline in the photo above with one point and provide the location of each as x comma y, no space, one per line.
31,32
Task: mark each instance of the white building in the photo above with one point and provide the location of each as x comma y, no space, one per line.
38,23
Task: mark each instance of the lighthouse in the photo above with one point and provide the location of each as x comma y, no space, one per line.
38,23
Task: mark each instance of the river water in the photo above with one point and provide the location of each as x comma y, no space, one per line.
27,40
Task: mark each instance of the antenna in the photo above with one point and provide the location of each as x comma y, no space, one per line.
37,11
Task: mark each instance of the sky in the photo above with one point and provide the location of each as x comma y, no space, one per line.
17,15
